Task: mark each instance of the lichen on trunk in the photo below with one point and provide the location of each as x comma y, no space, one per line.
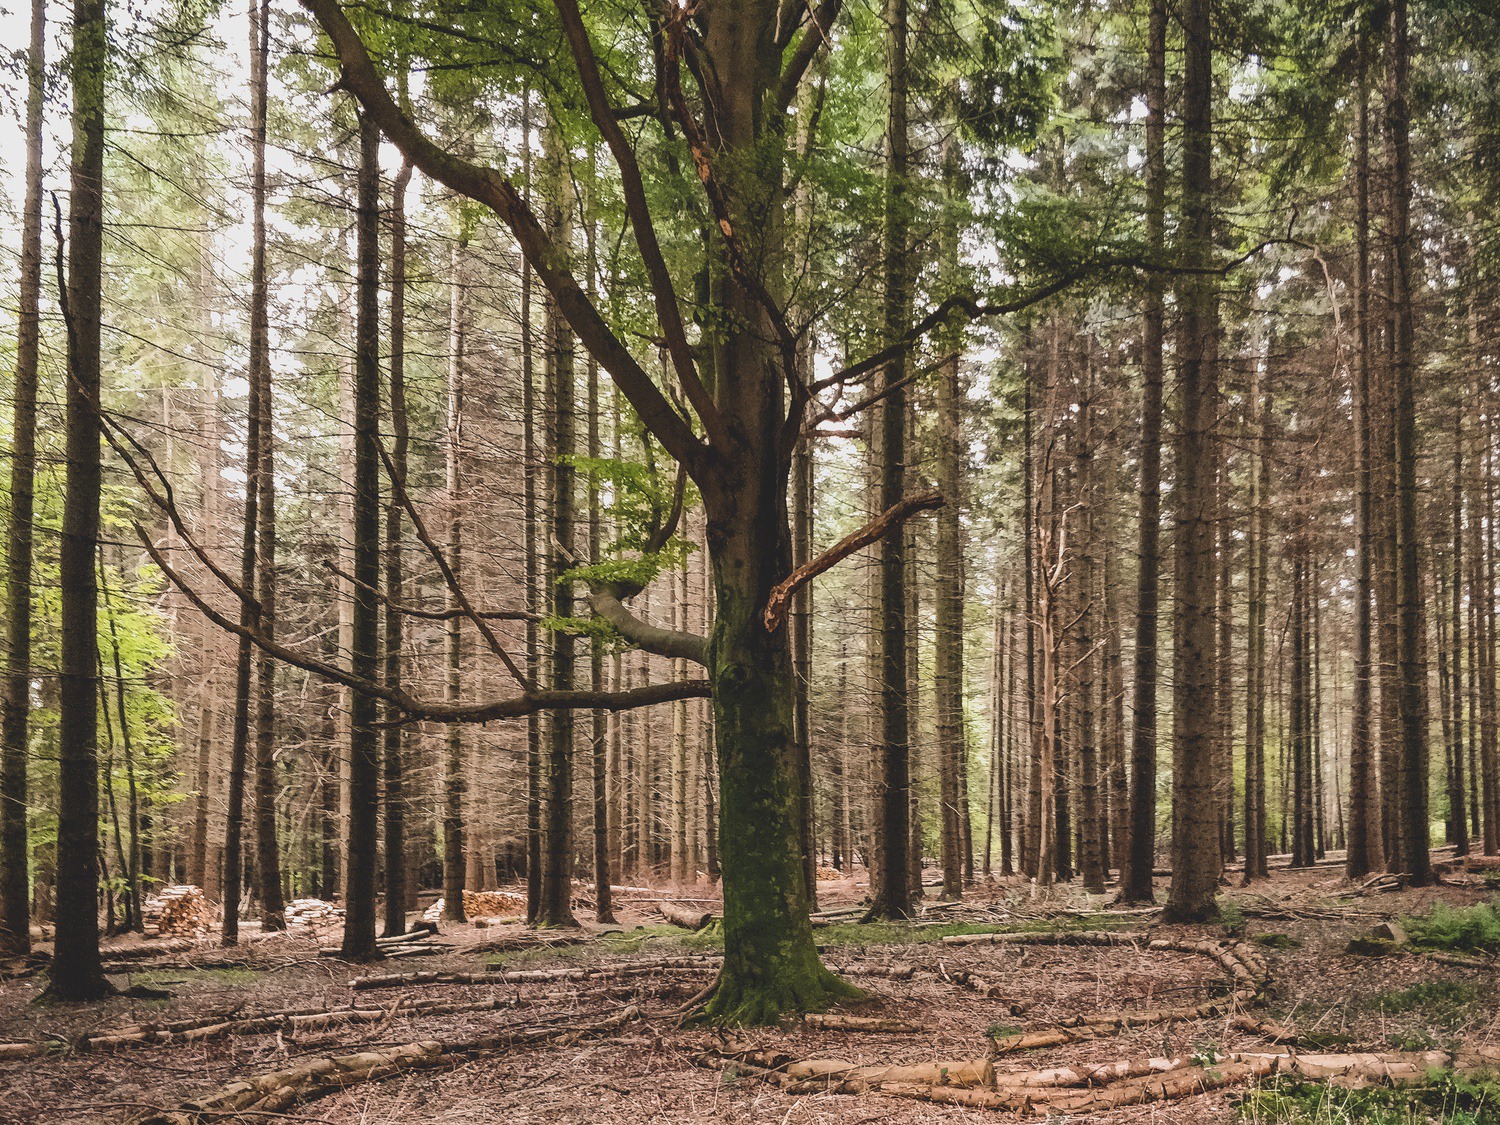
771,963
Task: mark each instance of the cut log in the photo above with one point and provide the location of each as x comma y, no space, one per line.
686,917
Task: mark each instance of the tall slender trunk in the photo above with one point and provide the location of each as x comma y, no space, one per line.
1135,879
251,611
1365,852
1032,838
1257,550
15,709
599,726
948,648
891,886
455,776
76,972
530,470
556,905
1090,822
364,746
1195,843
394,749
1415,845
267,851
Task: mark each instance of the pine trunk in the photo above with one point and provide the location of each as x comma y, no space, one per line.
15,709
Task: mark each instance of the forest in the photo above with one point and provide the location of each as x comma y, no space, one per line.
836,560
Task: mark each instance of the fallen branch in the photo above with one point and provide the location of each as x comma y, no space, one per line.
537,976
279,1090
835,1022
878,528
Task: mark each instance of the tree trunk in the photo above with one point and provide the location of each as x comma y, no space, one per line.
948,644
1090,822
1195,844
15,709
76,972
394,749
1257,552
267,852
556,905
1365,853
364,747
1135,878
455,780
1415,844
599,734
890,884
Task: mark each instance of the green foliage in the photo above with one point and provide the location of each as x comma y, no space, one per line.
1446,1099
1472,929
639,499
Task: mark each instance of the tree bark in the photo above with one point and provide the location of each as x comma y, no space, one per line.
1415,844
15,709
1365,853
267,851
890,884
1195,843
1135,879
455,775
394,750
76,970
556,905
364,748
948,644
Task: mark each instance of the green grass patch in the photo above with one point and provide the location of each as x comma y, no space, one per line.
1276,941
1445,1100
1443,1000
1470,929
909,933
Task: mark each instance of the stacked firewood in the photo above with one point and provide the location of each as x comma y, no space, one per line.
481,904
830,874
177,911
313,914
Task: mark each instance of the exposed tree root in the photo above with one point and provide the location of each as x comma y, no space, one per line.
279,1090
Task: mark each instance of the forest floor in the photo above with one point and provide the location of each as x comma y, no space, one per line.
644,1066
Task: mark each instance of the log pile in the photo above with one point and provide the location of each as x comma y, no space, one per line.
177,911
313,914
481,904
1092,1087
830,875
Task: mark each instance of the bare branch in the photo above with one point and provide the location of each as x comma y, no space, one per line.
882,525
488,186
398,485
427,614
415,709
